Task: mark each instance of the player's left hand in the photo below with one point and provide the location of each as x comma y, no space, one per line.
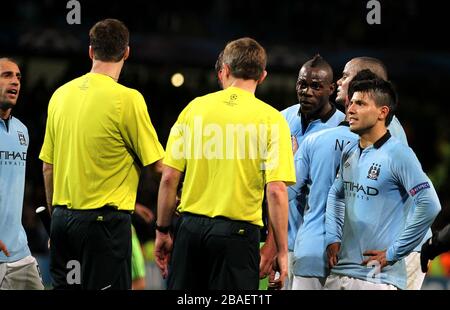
3,248
377,255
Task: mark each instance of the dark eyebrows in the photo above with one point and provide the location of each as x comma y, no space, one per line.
11,73
357,101
316,80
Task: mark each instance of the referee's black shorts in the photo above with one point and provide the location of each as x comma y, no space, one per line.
214,253
96,242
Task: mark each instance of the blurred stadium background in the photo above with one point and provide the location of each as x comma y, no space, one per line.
185,37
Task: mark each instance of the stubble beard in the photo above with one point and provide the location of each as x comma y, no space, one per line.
5,105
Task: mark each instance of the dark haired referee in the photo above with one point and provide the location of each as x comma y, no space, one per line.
98,138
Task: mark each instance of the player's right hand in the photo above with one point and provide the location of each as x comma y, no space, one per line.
162,252
332,253
3,248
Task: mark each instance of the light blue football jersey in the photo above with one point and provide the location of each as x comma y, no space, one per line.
397,131
13,155
295,122
371,193
316,164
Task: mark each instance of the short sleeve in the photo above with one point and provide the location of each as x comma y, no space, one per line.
137,130
178,144
46,154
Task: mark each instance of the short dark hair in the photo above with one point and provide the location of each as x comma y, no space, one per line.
109,39
381,91
246,57
319,62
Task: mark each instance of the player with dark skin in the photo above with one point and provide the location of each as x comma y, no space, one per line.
314,87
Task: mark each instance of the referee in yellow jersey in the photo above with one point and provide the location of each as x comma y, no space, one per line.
97,140
229,145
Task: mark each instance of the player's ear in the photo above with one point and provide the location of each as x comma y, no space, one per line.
262,78
384,111
127,53
332,88
226,70
91,52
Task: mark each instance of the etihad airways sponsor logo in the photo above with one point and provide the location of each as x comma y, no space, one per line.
360,191
8,158
8,155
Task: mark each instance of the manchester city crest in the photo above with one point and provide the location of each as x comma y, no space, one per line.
374,171
22,139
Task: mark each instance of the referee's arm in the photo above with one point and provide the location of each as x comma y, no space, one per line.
277,200
47,170
166,207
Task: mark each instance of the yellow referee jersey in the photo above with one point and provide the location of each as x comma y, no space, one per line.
229,144
98,136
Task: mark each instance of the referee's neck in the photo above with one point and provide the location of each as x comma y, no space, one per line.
111,69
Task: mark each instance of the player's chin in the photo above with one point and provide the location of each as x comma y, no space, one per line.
355,128
341,102
307,108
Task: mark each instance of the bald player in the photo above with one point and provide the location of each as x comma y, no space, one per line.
376,66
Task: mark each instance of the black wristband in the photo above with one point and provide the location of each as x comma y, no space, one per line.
163,229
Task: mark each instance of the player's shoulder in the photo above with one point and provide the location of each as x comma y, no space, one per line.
350,148
291,111
67,85
320,135
396,144
19,124
209,97
332,133
326,131
127,91
398,150
338,116
202,100
267,108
